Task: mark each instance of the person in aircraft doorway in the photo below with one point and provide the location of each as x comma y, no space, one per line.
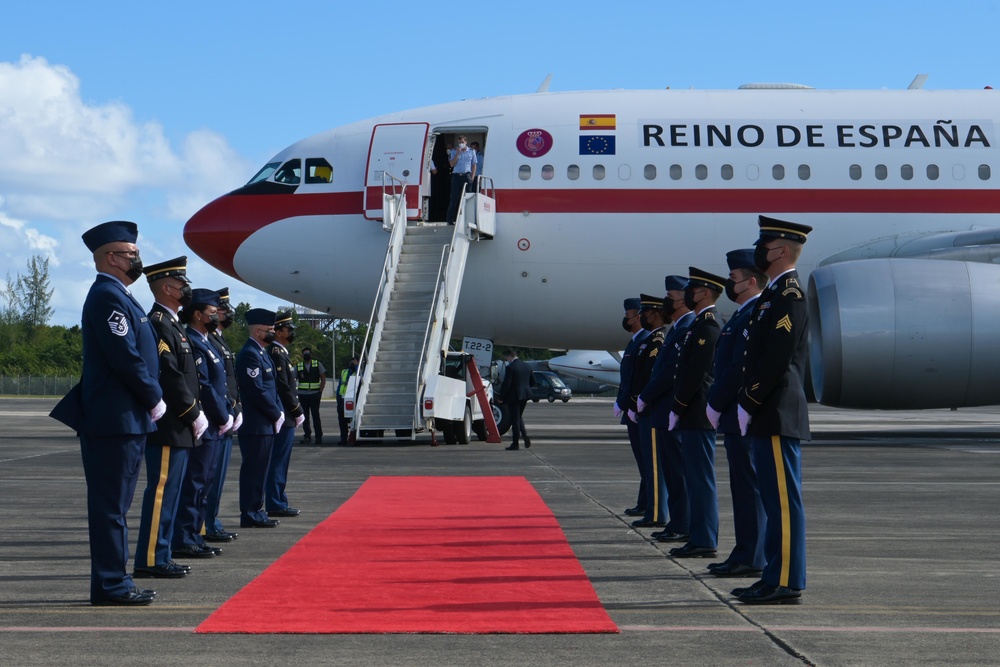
462,161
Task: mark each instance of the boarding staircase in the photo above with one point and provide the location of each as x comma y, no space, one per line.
411,321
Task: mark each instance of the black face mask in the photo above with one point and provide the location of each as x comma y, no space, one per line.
306,356
269,336
185,298
291,336
134,268
731,290
669,307
228,322
625,325
644,322
213,322
760,253
689,301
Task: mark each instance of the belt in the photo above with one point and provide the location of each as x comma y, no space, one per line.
460,173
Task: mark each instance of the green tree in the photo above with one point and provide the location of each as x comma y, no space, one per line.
34,295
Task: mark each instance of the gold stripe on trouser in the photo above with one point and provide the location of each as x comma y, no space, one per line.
656,479
154,524
786,517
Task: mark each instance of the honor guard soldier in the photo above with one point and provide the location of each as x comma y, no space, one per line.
652,317
773,412
687,413
201,317
275,498
262,416
311,376
214,530
114,407
180,428
742,288
656,399
631,324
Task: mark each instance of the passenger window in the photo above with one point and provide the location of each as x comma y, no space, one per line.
958,172
906,172
881,172
700,172
727,172
778,172
804,172
933,172
855,172
624,172
649,172
290,173
318,170
548,171
753,172
984,172
524,172
573,172
676,172
598,172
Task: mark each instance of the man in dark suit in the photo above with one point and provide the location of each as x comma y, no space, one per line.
743,287
275,498
687,414
114,407
773,412
631,324
263,416
180,429
515,390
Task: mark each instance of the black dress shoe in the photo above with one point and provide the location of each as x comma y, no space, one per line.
284,511
667,536
215,550
192,551
306,439
219,537
144,591
643,523
186,568
634,511
512,447
267,523
319,440
752,587
771,594
527,442
691,551
734,570
166,571
132,598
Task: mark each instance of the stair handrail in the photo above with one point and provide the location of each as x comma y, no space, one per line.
424,372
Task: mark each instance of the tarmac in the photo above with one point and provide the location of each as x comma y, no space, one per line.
902,516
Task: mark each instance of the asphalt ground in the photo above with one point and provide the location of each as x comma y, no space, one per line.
902,552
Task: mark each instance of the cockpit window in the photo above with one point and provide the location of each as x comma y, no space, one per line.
290,173
264,173
318,170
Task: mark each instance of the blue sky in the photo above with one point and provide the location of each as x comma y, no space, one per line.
147,111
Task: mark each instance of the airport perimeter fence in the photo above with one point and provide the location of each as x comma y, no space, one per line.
36,385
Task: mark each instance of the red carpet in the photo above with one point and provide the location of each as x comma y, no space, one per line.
424,554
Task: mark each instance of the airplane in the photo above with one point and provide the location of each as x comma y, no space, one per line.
601,194
592,365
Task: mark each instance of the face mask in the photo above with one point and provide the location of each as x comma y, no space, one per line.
689,299
213,322
228,322
306,356
185,298
134,269
669,307
462,145
269,336
625,325
731,290
760,253
291,336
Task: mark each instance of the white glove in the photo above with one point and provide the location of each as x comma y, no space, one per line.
228,425
299,420
744,418
713,416
278,424
641,404
674,418
238,422
200,425
158,410
633,417
617,410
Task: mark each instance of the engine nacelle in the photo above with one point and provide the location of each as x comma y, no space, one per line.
905,334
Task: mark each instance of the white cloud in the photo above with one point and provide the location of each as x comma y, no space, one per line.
21,241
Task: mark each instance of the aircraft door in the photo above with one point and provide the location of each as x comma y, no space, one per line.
397,150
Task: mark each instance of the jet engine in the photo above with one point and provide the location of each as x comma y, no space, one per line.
902,333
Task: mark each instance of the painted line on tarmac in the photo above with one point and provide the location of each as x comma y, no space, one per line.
806,628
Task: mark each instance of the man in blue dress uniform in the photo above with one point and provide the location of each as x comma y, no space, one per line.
214,530
179,430
773,412
656,399
114,407
275,498
743,287
687,414
631,324
263,416
201,317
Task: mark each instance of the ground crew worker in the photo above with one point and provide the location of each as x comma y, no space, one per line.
311,376
275,498
773,412
345,375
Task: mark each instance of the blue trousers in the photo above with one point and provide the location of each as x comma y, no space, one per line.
778,463
256,453
748,511
698,451
202,461
633,440
213,502
111,467
652,473
275,497
668,451
165,469
457,181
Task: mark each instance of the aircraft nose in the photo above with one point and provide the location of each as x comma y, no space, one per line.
216,232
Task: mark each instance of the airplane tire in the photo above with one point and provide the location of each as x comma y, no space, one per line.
479,428
448,430
502,418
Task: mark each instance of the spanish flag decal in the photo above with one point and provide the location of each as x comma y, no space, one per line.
600,121
785,323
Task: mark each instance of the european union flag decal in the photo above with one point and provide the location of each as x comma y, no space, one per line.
598,144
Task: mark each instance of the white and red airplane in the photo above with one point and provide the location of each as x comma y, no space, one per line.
599,195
